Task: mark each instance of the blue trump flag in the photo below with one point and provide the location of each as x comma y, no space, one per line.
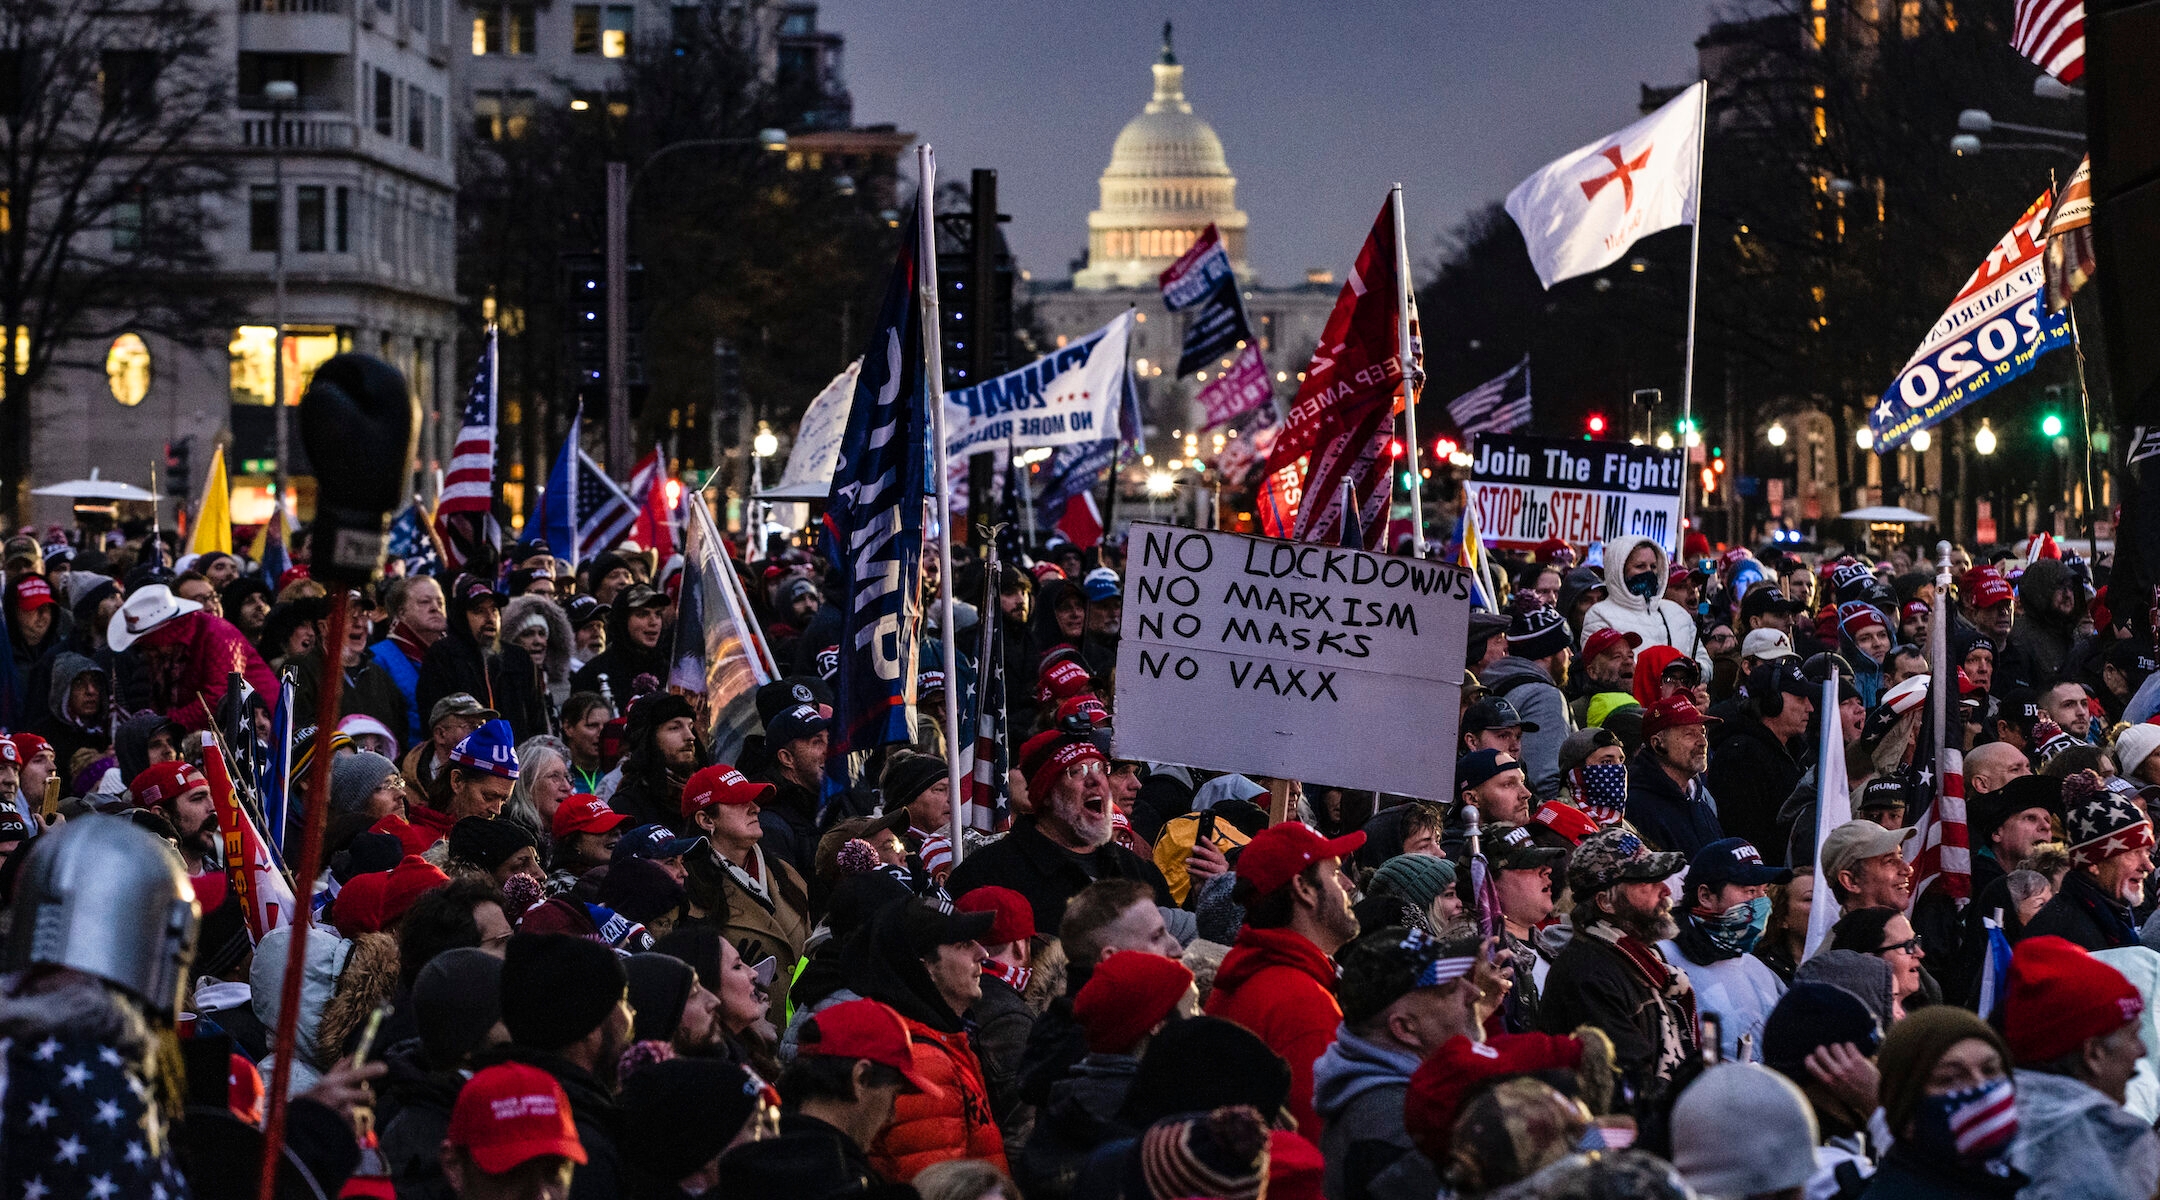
874,520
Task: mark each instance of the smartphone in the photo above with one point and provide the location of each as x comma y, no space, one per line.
49,805
368,1032
1712,1039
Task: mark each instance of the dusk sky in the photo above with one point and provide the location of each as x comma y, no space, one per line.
1320,106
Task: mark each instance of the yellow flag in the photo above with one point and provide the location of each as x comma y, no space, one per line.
213,517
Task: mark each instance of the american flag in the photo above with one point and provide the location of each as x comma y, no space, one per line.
410,542
465,513
2052,34
582,513
603,511
2069,258
658,527
1499,405
81,1123
987,798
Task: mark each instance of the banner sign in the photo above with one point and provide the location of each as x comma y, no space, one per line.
1298,652
816,449
1994,331
1070,395
1201,280
1241,389
1527,489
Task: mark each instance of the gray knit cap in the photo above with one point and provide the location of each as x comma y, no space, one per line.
354,777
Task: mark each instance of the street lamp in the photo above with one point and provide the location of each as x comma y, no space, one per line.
1979,120
1664,440
281,95
2047,87
1776,433
1922,440
1864,438
1984,441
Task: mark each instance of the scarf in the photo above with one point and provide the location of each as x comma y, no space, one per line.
1013,977
404,638
1673,997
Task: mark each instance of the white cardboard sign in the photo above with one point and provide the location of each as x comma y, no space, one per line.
1291,659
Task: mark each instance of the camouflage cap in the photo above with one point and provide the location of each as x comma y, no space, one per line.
1618,856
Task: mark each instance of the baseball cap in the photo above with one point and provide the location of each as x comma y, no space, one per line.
1100,584
1782,675
584,610
1732,860
1015,918
933,921
1618,856
1671,713
1607,638
1986,588
459,704
472,589
864,1029
511,1114
1277,853
639,595
1494,712
1881,793
721,784
653,841
21,546
32,593
160,782
794,724
1853,841
1514,848
1767,643
1061,679
13,828
584,813
1383,965
1763,600
1478,766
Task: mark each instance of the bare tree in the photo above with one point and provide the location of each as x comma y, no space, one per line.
110,119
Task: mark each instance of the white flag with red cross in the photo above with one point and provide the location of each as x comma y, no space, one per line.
1582,212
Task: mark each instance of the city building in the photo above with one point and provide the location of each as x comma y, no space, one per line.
365,218
1168,179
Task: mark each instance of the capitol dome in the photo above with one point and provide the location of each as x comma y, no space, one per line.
1167,180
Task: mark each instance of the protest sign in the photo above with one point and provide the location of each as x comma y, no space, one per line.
1291,659
1528,489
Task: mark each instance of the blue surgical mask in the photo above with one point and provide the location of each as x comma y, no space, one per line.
1644,584
1737,929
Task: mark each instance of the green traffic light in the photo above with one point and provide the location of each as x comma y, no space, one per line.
2051,425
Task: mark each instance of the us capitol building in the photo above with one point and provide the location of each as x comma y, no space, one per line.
1166,181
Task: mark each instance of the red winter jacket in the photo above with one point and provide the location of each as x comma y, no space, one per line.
1281,987
188,659
957,1124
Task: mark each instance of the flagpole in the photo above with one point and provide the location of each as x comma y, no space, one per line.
1687,377
1944,685
1117,449
577,417
934,386
1409,392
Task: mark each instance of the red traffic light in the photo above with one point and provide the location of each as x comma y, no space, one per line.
1394,447
1444,448
1596,422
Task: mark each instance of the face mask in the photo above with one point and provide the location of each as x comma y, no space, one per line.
1974,1127
1738,928
1644,584
1601,791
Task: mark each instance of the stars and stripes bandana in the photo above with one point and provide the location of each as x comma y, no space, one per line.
77,1124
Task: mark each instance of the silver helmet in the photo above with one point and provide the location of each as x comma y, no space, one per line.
106,897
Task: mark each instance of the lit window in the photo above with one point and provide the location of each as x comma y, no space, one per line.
483,34
253,367
615,37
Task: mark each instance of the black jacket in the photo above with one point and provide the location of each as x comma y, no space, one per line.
1667,817
592,1110
1002,1022
2085,915
414,1117
1047,874
1082,1114
1751,774
1592,983
612,671
789,819
810,1160
458,663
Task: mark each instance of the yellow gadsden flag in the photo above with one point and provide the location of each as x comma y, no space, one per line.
213,517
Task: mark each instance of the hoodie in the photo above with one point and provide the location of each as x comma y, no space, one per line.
1082,1113
1530,688
614,671
2040,639
1279,985
1358,1090
561,642
2062,1121
457,662
66,733
1660,621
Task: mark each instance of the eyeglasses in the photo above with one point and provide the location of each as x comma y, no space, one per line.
1081,770
1909,946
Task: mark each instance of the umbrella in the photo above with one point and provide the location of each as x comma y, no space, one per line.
94,488
1889,513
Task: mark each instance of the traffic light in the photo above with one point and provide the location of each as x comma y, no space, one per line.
2051,425
975,289
1596,424
1444,448
1394,448
1709,481
584,309
179,477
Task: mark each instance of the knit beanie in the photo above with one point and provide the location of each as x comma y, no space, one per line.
1126,996
1416,879
660,985
680,1114
2059,996
1221,1154
457,999
488,843
909,774
1743,1130
1812,1015
1914,1046
557,988
640,889
1240,1069
354,778
1866,976
2098,823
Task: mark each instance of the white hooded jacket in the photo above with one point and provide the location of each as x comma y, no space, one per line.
1660,621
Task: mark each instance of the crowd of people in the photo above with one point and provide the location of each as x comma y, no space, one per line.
561,952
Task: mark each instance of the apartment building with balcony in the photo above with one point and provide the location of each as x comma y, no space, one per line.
364,215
